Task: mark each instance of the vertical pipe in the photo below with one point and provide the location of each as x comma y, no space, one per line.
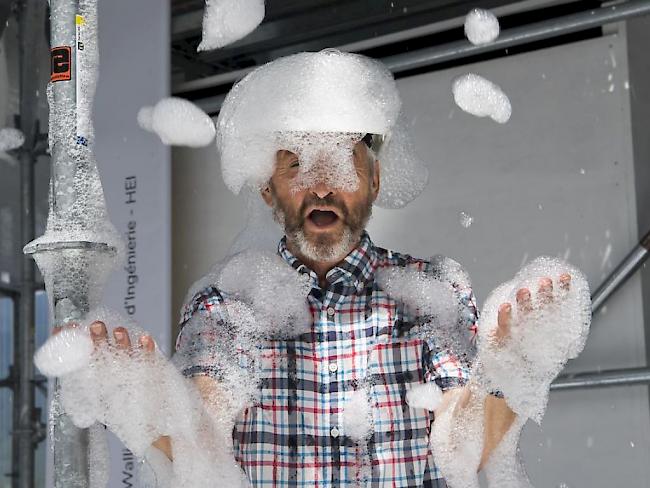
31,17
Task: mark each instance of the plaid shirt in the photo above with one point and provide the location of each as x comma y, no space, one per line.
292,434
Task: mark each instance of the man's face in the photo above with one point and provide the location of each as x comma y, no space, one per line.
321,222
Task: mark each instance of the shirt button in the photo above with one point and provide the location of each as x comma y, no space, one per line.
333,367
330,311
334,432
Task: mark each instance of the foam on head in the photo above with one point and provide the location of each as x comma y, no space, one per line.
316,105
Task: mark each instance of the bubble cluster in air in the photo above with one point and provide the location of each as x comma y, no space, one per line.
178,122
10,139
481,26
318,106
227,21
482,98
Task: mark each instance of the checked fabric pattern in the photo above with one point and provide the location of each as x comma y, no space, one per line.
292,435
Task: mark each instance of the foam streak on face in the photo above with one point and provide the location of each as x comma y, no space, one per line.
329,211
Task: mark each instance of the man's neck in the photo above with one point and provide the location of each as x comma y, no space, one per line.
321,268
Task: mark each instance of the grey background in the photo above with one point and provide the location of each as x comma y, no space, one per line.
523,185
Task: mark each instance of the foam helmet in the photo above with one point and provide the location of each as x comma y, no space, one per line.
324,92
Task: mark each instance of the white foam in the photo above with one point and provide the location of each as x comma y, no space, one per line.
482,98
540,341
357,416
481,26
426,395
11,138
140,397
65,352
178,122
466,219
317,105
227,21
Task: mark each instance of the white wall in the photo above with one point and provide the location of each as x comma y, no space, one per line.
523,185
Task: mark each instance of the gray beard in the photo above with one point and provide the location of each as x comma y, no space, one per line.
318,251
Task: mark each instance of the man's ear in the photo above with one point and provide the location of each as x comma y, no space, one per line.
376,180
266,194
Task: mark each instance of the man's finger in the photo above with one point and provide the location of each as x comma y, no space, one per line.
98,332
545,290
504,319
147,344
524,303
122,339
565,281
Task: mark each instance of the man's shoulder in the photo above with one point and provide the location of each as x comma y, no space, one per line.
438,265
206,300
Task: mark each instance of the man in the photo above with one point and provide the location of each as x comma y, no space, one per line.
360,339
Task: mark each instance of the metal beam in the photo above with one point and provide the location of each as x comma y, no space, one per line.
622,273
462,49
601,379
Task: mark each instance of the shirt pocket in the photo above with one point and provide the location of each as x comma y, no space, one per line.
396,368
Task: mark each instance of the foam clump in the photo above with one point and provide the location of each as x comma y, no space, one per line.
432,302
257,278
482,98
426,395
140,396
357,416
227,21
10,139
481,26
178,122
541,340
317,105
64,353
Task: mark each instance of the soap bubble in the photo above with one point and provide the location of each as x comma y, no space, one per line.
465,219
482,98
357,416
481,26
178,122
227,21
11,138
64,353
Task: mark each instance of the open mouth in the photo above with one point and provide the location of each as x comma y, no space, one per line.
322,218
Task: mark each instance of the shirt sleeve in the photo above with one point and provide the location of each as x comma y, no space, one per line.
450,366
204,346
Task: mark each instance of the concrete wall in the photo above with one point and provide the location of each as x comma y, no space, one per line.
558,179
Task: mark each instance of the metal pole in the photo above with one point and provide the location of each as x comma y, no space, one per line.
621,377
623,271
79,247
31,17
461,49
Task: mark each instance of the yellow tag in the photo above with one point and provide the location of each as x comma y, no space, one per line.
80,20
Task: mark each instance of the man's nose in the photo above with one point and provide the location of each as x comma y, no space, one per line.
321,190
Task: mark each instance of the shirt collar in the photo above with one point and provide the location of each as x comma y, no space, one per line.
355,270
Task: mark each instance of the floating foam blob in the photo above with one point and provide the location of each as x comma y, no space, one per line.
426,395
317,105
357,416
178,122
540,341
11,138
227,21
65,352
482,98
481,26
466,219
